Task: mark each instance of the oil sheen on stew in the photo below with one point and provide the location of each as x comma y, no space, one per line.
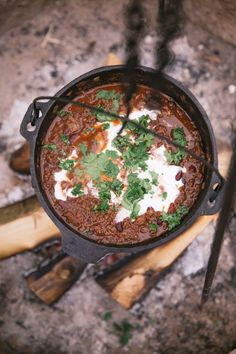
121,189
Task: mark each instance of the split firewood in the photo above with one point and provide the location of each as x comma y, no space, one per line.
20,160
52,280
23,226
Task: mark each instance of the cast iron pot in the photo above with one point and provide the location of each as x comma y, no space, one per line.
79,245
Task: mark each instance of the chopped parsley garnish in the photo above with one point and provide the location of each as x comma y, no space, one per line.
110,169
154,176
175,157
83,149
179,138
153,226
65,139
88,130
112,154
104,193
105,196
103,117
108,95
135,210
136,154
76,191
143,121
121,142
164,196
117,187
61,113
136,189
96,165
51,147
106,126
67,164
174,219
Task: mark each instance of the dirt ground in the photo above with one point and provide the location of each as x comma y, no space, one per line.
79,34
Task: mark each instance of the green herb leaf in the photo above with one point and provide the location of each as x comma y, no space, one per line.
136,154
175,157
121,142
103,117
135,210
106,316
78,172
88,130
154,176
112,154
179,138
114,207
153,226
83,149
105,196
76,191
124,331
136,189
174,219
110,169
108,95
51,147
143,121
65,139
61,113
67,164
106,126
164,196
117,187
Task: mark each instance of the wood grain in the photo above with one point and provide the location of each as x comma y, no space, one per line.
50,284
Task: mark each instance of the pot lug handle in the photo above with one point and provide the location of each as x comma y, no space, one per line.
78,247
213,199
27,128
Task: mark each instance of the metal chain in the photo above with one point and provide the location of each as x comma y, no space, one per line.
170,21
134,34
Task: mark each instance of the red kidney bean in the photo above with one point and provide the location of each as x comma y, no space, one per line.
172,208
119,226
179,175
192,169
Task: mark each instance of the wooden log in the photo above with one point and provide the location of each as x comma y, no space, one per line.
130,282
19,160
25,233
50,282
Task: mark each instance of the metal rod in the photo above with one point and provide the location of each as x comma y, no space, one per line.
221,225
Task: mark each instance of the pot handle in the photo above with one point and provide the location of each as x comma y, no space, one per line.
27,129
79,247
213,199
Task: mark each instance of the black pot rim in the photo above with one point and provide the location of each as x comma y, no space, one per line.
198,209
